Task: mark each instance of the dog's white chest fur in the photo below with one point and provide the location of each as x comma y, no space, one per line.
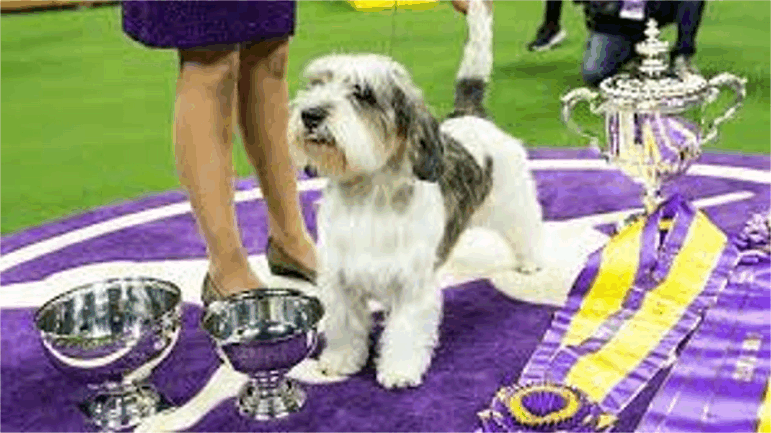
375,247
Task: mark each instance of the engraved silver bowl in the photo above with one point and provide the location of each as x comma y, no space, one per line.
264,333
110,335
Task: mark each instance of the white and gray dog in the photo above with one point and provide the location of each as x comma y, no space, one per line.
402,188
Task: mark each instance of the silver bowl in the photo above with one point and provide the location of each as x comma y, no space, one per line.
111,335
264,333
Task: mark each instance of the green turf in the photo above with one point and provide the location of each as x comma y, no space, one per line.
86,114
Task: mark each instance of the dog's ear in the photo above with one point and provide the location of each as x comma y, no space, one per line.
424,144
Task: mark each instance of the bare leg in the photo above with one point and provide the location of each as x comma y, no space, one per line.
263,98
203,149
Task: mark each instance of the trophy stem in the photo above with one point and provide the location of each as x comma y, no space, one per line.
120,406
270,396
651,200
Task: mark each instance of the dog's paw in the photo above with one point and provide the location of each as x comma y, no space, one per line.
527,268
403,371
342,362
392,378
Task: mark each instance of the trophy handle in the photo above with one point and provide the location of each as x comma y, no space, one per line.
569,101
738,85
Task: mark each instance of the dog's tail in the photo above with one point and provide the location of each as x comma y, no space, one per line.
477,62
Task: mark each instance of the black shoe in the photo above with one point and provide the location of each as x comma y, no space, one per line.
210,293
547,38
282,264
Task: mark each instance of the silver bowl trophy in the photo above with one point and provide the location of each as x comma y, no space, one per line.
655,123
110,335
263,334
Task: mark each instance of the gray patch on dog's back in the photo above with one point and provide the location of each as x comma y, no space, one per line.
465,185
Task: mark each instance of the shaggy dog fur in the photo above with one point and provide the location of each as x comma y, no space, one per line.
402,188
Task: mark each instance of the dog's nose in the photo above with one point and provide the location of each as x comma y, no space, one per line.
312,117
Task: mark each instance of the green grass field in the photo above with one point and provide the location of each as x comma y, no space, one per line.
86,113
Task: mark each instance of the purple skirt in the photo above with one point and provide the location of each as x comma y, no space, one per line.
189,24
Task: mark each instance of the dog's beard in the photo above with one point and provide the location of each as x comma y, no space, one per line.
327,159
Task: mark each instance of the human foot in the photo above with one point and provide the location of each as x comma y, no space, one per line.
217,284
296,260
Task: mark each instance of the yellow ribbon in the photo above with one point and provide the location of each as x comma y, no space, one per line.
598,373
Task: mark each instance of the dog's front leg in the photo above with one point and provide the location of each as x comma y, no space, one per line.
346,328
410,334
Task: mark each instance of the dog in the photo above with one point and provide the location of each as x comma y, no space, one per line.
402,188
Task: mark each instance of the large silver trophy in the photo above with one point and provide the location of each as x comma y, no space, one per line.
263,334
655,121
111,335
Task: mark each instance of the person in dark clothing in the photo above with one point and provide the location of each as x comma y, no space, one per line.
615,27
550,33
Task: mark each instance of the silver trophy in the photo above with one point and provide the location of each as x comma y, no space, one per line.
111,335
263,334
655,120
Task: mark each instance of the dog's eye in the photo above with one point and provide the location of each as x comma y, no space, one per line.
364,94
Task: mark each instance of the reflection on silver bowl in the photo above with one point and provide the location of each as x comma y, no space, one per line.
110,335
264,333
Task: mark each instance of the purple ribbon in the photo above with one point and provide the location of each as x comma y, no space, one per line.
675,139
719,379
552,362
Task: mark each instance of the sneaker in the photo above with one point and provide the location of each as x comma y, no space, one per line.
547,38
682,66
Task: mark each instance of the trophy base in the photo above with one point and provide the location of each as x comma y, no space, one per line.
123,406
265,400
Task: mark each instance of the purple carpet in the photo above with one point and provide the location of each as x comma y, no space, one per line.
486,338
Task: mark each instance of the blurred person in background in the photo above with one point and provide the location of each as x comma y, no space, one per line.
616,26
232,54
550,33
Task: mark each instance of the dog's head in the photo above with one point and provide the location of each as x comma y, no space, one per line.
359,113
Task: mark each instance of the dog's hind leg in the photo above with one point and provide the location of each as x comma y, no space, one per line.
410,334
514,212
346,328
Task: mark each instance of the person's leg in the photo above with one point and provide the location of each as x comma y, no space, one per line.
605,54
550,32
263,98
203,151
688,16
553,13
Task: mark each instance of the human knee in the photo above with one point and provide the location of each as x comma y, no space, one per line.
208,69
593,75
271,56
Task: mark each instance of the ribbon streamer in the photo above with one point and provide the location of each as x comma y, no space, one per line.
630,308
721,380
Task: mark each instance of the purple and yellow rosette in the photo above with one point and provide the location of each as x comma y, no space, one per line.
629,309
542,407
754,241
